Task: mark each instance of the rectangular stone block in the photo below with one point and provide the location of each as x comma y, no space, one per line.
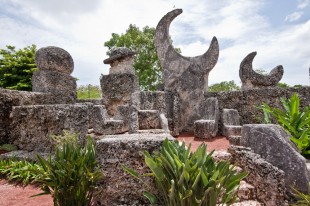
113,151
10,98
62,86
205,129
117,89
32,126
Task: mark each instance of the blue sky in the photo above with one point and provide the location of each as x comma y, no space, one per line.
278,30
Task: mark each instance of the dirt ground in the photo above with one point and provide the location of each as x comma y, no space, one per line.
16,195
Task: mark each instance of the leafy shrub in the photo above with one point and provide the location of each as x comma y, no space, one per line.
190,179
293,120
21,171
88,92
67,137
71,176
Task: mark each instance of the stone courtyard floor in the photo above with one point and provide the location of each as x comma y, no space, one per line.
17,195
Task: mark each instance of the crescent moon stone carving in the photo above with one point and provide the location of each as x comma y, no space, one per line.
186,75
251,79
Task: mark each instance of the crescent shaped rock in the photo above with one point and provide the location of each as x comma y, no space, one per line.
188,76
251,79
174,64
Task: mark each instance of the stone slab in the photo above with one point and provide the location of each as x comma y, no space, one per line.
274,145
119,188
31,126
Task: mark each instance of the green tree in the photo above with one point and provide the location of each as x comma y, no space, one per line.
146,63
224,86
283,85
88,92
16,67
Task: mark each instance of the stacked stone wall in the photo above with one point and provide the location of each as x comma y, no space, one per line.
246,102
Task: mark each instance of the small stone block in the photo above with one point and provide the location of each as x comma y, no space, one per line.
205,129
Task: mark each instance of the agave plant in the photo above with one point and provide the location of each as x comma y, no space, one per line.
183,178
71,175
293,120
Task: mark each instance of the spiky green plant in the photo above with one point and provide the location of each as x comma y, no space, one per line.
71,175
293,120
183,178
20,171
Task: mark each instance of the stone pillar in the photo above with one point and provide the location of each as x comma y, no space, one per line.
54,74
121,81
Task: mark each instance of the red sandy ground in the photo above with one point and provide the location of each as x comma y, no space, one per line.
16,195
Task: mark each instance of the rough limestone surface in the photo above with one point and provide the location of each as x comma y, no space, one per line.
102,124
55,66
53,58
231,123
164,123
134,107
207,127
117,89
167,103
118,54
98,117
31,126
149,119
251,79
119,188
186,75
123,114
62,86
121,60
246,102
267,179
274,145
10,98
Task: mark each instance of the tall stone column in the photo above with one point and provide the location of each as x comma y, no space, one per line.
121,82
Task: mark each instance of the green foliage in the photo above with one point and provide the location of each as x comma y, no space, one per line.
16,67
302,199
67,137
8,147
190,179
224,86
88,92
283,85
146,63
293,120
21,171
71,176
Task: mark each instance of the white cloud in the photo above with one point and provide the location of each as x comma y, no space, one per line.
293,16
82,28
303,4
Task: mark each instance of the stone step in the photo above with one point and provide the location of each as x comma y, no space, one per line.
232,130
234,139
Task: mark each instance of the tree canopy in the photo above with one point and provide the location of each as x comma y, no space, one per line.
224,86
16,67
146,63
